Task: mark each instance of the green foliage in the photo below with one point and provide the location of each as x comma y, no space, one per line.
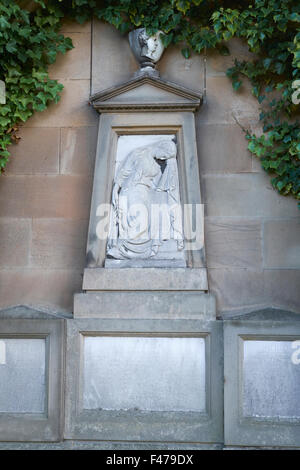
30,41
28,44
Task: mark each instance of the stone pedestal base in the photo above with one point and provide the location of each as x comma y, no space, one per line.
146,305
145,293
146,279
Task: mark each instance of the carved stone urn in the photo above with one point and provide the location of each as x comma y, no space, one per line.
146,49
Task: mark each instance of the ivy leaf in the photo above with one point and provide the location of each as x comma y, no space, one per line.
186,52
11,46
236,84
280,185
4,110
223,50
182,5
25,100
166,39
4,121
124,27
3,23
295,17
23,114
52,56
267,62
39,106
39,75
252,146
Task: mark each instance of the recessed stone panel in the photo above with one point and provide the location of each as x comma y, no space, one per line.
31,375
262,380
144,380
22,375
144,373
271,380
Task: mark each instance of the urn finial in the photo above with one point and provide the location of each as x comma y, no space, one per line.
146,49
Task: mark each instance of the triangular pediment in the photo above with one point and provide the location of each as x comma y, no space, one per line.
146,93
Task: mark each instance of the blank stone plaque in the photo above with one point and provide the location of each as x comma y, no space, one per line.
22,375
271,382
145,373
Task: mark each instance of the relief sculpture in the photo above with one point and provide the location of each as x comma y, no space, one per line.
146,205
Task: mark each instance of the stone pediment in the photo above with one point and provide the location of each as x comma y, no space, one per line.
146,93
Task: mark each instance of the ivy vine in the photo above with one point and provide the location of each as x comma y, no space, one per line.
30,40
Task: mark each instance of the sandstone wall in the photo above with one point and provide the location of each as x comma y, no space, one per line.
252,233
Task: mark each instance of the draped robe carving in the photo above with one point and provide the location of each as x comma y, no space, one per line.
147,178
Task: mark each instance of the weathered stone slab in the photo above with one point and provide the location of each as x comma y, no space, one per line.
222,149
53,288
233,242
36,153
150,279
112,59
237,288
45,196
76,63
282,243
245,195
281,288
78,150
224,105
170,305
69,249
15,236
71,110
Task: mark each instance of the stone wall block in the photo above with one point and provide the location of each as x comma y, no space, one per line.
45,196
53,289
78,150
36,153
233,242
245,195
15,238
281,243
72,109
75,63
222,104
222,149
58,243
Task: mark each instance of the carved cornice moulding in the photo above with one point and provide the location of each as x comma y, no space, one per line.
146,93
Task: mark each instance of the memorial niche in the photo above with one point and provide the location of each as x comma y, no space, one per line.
146,218
145,282
149,223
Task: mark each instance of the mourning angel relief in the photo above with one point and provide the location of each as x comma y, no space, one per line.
146,204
